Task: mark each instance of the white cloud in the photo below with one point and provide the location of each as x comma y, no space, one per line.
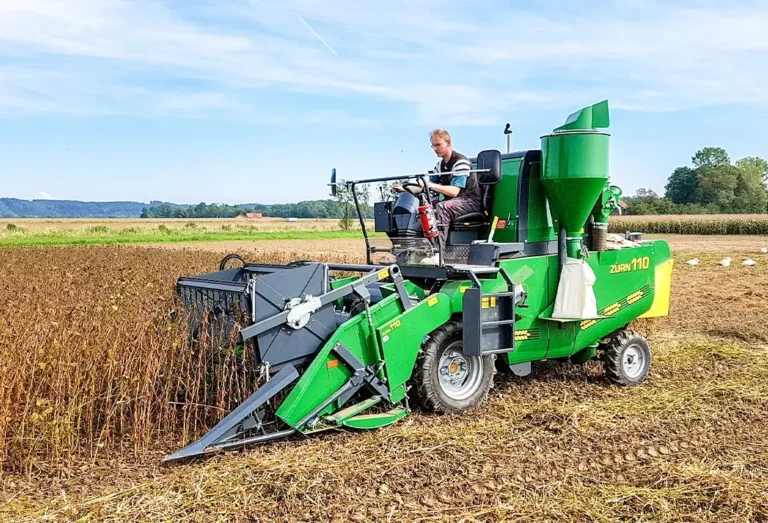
440,61
45,196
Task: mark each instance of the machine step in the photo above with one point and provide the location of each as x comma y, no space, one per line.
346,413
373,421
489,321
497,323
500,294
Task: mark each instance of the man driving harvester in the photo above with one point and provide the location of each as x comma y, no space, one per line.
454,181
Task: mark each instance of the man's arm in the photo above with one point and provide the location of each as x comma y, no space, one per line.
450,191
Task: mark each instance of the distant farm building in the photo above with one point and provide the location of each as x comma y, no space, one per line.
250,216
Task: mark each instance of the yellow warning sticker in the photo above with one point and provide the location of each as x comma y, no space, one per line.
384,274
432,301
488,302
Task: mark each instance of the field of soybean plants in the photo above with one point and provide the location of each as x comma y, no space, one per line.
99,382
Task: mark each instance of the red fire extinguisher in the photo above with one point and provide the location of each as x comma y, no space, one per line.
428,221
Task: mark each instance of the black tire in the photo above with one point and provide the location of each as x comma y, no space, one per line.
430,394
627,358
228,258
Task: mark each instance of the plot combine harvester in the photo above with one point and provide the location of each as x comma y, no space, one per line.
531,278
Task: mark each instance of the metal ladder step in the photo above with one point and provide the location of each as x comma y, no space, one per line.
497,323
500,294
498,351
346,413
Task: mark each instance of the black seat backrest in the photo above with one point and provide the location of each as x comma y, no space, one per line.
491,160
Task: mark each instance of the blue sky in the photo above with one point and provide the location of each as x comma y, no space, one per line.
255,101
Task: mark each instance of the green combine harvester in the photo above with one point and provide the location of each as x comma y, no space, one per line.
534,277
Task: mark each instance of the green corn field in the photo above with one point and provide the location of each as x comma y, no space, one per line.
725,224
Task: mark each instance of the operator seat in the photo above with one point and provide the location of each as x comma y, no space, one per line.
489,159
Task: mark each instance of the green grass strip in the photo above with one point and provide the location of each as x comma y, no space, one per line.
47,241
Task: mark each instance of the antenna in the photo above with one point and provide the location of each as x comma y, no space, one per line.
508,132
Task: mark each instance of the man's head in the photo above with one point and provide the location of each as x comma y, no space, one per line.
441,143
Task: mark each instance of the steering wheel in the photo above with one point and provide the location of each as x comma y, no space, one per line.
406,185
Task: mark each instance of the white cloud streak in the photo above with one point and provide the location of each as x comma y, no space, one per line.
440,62
316,35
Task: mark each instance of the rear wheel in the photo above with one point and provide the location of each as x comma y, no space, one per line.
627,358
445,380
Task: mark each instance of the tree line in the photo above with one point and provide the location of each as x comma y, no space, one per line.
711,185
329,208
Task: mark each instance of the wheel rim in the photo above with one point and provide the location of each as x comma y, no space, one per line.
459,375
633,361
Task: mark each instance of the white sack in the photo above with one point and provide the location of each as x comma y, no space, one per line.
575,296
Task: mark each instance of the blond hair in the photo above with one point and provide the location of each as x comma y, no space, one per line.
441,133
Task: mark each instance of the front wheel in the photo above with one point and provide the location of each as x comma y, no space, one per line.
447,381
627,358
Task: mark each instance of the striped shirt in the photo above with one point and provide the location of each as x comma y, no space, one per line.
467,183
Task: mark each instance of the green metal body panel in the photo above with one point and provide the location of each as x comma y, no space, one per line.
413,290
341,282
398,333
531,333
320,380
624,289
402,336
541,222
455,289
542,225
575,169
596,116
505,200
574,173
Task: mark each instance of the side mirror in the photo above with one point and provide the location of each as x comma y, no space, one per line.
333,182
490,160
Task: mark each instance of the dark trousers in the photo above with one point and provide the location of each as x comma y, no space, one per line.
446,211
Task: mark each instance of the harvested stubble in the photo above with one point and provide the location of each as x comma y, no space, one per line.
719,224
560,445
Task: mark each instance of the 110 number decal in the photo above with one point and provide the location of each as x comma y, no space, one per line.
637,264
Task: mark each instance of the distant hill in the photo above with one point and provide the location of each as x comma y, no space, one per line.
16,208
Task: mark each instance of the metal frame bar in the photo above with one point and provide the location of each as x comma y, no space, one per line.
228,428
351,184
357,287
200,283
407,176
